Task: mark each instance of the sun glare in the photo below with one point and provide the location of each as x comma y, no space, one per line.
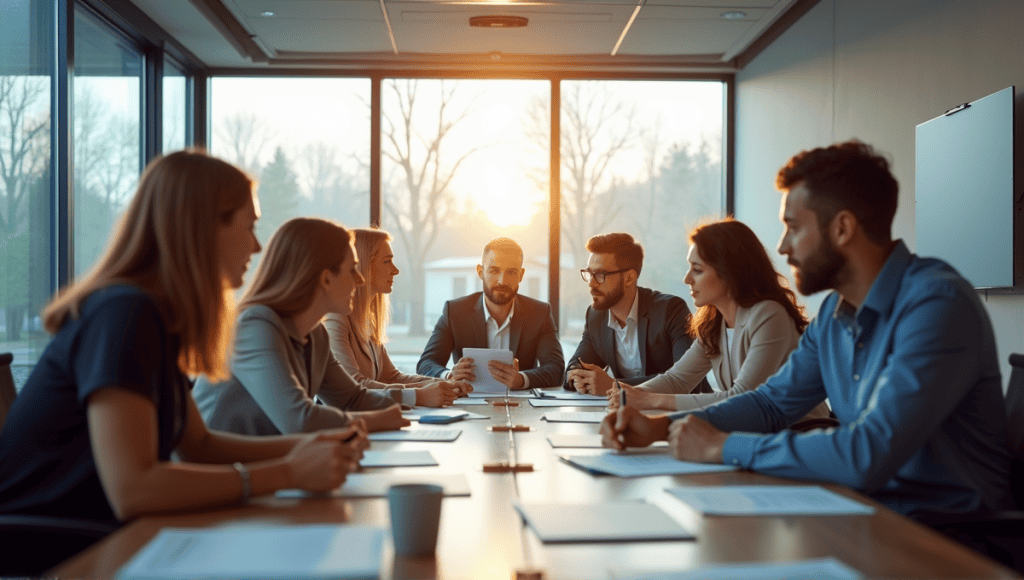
505,196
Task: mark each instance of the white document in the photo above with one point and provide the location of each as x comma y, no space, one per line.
617,521
369,485
602,402
574,416
769,500
485,383
641,463
467,401
306,551
528,394
397,459
560,393
415,414
584,440
446,435
819,568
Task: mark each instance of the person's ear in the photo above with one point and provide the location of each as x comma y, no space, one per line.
843,228
631,277
480,271
325,278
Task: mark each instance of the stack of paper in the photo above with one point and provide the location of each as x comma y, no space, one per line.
309,551
819,569
446,435
769,500
602,402
368,485
574,416
641,463
618,521
397,459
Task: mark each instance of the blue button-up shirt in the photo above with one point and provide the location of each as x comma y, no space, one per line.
913,378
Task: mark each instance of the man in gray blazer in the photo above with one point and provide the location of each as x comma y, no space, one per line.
497,318
634,332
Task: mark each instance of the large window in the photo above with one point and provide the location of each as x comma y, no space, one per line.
307,141
25,53
462,162
107,144
643,157
175,107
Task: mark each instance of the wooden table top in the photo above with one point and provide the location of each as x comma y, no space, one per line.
482,537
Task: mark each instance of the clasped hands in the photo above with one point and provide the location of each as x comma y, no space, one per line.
590,379
690,438
505,374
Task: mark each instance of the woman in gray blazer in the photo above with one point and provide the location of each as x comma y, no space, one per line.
282,361
746,324
358,338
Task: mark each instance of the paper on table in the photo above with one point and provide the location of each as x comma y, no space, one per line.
574,416
528,394
602,402
584,440
446,435
470,401
641,463
307,551
617,521
418,412
369,485
397,459
819,568
485,382
560,393
769,500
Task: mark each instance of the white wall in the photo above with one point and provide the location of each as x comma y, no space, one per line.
873,69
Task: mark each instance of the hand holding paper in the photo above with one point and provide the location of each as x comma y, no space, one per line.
479,361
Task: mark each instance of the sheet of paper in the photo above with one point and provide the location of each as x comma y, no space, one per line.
769,500
416,413
306,551
584,440
528,394
368,485
602,402
485,383
819,568
616,521
574,416
641,463
441,434
397,459
559,393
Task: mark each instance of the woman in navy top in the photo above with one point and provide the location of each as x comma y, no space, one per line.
92,431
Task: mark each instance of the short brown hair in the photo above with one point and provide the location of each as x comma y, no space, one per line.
503,245
850,176
629,254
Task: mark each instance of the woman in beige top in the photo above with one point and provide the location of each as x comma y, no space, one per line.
746,324
357,339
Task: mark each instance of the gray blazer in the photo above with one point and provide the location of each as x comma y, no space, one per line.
275,376
763,337
367,362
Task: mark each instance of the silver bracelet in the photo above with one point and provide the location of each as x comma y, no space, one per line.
246,482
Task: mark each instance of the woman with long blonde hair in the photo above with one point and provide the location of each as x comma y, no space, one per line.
358,338
282,359
91,434
746,323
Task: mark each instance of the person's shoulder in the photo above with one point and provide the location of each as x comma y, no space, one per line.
934,273
467,301
532,303
766,309
260,316
661,300
122,301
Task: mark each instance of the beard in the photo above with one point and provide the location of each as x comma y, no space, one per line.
820,270
605,300
501,300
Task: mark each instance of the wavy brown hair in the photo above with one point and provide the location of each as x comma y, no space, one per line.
370,310
166,244
741,262
297,254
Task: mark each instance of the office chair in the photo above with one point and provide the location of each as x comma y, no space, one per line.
7,392
1001,535
33,544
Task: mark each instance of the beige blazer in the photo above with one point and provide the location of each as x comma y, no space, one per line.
367,362
763,337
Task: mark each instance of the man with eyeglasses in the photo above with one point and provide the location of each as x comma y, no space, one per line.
633,332
498,318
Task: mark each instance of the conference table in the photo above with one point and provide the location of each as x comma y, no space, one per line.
482,536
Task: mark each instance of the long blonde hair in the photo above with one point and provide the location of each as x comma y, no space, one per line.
371,310
299,251
166,244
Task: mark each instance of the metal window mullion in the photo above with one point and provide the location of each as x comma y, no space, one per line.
61,147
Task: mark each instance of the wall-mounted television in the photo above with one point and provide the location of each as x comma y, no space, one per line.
968,204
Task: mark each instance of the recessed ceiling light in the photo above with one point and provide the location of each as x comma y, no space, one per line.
268,13
734,15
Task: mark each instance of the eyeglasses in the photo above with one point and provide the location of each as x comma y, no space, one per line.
600,275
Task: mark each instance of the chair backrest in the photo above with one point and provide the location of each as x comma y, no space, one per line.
1015,427
7,392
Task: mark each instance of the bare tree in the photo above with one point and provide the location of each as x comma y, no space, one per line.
23,162
244,136
424,167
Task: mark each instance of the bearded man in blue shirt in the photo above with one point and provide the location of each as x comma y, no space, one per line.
902,348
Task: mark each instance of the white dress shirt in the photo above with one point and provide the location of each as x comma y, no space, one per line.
627,347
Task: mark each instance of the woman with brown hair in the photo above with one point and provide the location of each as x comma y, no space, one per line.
746,324
358,338
91,434
282,357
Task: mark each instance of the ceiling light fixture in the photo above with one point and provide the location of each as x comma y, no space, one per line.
734,15
498,21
